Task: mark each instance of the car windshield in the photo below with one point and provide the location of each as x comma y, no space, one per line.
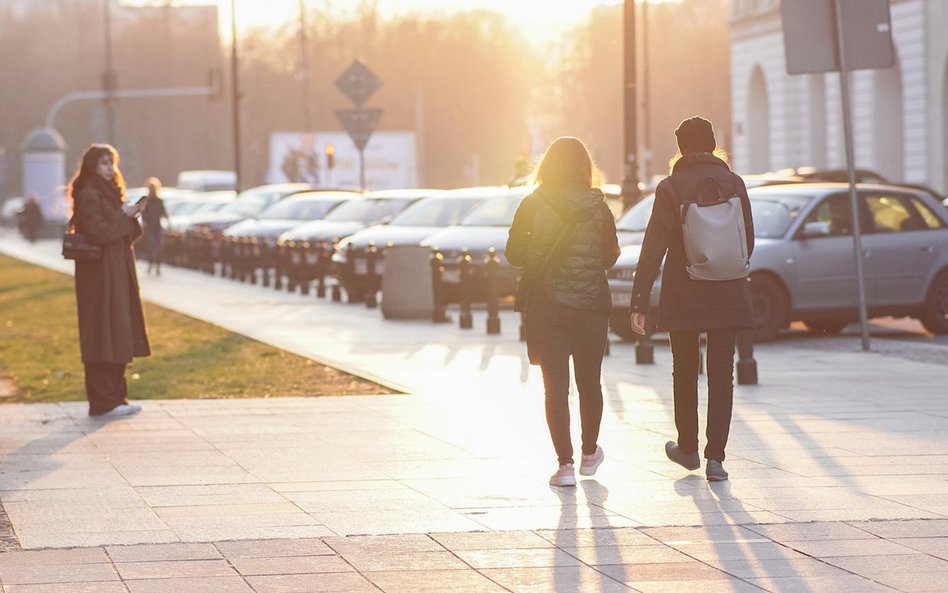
497,211
367,210
291,209
436,212
774,213
636,219
249,202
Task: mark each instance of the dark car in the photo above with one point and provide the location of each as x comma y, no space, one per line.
289,213
803,267
413,225
247,204
483,228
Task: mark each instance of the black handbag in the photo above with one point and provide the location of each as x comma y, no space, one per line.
75,245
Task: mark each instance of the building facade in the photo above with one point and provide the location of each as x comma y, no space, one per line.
900,114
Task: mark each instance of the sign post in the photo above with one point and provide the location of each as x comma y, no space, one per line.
840,36
358,83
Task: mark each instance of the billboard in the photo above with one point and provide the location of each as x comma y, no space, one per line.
390,160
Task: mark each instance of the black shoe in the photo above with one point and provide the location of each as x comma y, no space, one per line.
689,461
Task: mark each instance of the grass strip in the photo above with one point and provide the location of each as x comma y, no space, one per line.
191,359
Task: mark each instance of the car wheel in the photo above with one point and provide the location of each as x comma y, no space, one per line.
935,310
826,327
771,307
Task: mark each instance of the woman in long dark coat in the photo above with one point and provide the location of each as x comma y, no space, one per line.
566,225
111,321
688,307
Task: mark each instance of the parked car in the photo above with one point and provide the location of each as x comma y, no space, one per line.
207,180
483,228
373,208
631,225
182,212
288,213
413,225
247,204
803,268
9,209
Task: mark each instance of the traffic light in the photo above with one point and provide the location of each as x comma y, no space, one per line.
330,156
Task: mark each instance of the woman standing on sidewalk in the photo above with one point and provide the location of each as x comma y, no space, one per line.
111,321
564,237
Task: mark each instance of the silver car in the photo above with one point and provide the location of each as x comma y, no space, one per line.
803,267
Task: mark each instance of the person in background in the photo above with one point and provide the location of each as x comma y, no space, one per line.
152,215
688,307
111,321
30,218
564,236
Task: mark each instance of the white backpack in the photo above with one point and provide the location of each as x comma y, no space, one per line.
715,238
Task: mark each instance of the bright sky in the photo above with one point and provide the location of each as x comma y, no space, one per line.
539,18
534,16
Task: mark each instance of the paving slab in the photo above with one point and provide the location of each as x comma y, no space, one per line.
838,459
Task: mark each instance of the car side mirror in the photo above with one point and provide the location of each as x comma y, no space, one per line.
816,229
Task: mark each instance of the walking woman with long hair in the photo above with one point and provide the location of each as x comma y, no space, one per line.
564,237
111,320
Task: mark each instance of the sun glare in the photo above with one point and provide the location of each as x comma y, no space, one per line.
540,18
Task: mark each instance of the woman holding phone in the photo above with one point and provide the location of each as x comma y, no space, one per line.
111,321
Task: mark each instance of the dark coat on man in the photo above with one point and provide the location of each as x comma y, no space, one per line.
686,304
111,320
576,276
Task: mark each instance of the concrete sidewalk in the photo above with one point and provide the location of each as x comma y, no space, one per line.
839,466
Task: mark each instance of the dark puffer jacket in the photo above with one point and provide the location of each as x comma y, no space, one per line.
577,276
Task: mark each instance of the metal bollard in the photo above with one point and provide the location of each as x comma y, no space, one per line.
347,277
303,275
644,348
491,264
746,364
702,349
438,313
266,260
523,327
465,320
369,287
319,254
328,264
234,257
255,260
291,266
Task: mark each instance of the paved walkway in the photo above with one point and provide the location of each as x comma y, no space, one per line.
839,465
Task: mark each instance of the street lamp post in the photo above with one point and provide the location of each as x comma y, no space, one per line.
235,92
630,184
108,77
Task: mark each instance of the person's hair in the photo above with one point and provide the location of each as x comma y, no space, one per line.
153,182
87,169
566,162
718,152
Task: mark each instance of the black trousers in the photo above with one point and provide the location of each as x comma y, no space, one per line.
720,368
106,386
554,333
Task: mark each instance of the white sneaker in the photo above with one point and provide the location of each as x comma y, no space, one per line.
124,410
564,476
591,463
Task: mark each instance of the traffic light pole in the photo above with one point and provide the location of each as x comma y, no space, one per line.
630,184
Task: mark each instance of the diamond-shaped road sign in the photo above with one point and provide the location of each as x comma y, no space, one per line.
358,82
360,123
